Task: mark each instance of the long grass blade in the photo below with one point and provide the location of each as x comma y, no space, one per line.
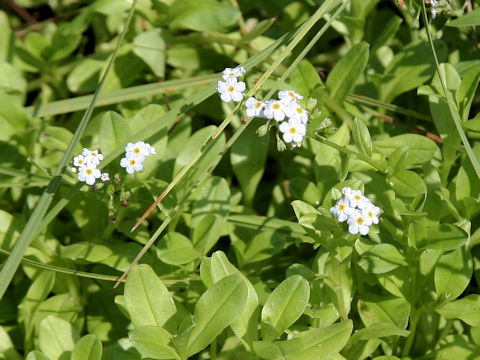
450,101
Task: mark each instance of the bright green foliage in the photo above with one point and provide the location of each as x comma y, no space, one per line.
244,256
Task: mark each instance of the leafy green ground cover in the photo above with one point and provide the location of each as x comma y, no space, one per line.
262,241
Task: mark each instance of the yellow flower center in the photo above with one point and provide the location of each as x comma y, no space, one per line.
136,150
258,104
293,130
89,171
357,197
231,88
341,207
231,74
370,214
299,110
93,154
360,220
291,94
132,162
276,106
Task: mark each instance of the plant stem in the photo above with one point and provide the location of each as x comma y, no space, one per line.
343,149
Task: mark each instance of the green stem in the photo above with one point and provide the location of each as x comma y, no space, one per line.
343,149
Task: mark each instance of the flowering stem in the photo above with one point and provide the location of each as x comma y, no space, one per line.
347,151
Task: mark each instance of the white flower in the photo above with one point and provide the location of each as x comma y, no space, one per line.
371,212
231,89
356,199
287,96
105,177
347,190
274,109
88,174
342,210
92,156
254,107
293,130
73,170
151,149
295,111
233,73
358,223
138,149
79,160
132,163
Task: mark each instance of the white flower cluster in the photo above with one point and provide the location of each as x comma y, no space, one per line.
285,110
135,154
231,88
86,167
433,11
357,210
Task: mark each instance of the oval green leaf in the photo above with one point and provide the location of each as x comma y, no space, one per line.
88,347
148,300
284,306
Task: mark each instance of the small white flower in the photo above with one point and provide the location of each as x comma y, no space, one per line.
92,156
274,109
79,160
88,174
342,210
132,163
358,223
233,73
138,149
356,199
295,111
105,177
371,212
293,131
151,149
434,2
347,190
254,107
433,12
287,96
73,170
231,89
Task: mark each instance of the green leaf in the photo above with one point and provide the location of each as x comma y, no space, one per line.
420,148
347,71
361,136
284,306
384,309
7,349
57,337
453,273
203,15
12,117
248,157
113,131
176,249
381,258
469,19
216,309
148,300
246,325
410,68
36,355
377,330
440,236
87,348
152,342
12,81
150,47
466,309
6,39
397,160
320,343
262,246
407,183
